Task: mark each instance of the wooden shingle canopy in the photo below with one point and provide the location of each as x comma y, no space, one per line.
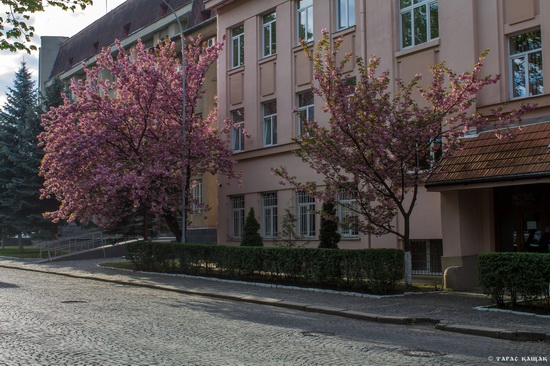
120,22
486,159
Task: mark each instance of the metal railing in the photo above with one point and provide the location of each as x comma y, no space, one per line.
74,244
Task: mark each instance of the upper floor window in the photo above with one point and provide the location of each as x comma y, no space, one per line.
305,109
197,195
237,46
304,18
269,35
345,13
526,64
419,21
237,135
270,123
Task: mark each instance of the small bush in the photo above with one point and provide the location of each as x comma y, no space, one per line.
370,270
523,276
328,234
251,236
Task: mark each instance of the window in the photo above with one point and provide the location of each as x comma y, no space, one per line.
432,157
237,224
347,213
305,109
270,123
269,219
306,215
196,193
305,20
419,21
345,13
210,42
269,35
237,46
237,135
526,64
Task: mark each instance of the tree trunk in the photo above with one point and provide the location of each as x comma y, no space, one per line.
173,225
20,242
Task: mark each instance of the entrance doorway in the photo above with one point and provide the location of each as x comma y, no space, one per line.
522,215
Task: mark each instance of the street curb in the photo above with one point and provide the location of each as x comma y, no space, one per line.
439,324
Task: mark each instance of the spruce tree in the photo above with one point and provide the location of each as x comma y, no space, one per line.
251,236
20,205
328,235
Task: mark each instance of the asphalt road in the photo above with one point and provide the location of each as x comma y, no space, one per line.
54,320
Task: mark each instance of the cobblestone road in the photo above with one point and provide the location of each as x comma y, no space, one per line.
54,320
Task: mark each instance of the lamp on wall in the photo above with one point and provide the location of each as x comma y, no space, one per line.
184,136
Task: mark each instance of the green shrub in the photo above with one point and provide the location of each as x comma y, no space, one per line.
523,276
328,234
371,270
251,236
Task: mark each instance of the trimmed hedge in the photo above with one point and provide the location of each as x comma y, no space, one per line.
518,275
371,270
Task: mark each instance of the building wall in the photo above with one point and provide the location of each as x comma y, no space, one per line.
287,73
464,219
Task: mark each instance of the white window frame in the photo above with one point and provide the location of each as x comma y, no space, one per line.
269,215
270,123
269,28
524,56
409,12
237,42
237,132
346,18
307,226
197,193
347,206
307,109
237,216
304,10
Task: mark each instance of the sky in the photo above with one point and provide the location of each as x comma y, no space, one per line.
52,22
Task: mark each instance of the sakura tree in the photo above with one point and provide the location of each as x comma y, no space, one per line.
381,144
115,148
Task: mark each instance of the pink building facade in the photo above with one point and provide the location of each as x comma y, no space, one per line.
264,86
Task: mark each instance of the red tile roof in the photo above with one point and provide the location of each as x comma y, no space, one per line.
486,158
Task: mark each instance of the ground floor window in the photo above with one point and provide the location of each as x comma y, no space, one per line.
237,216
426,256
306,215
269,215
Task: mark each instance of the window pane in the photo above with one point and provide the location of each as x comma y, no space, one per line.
518,75
420,25
434,21
235,52
406,29
351,12
310,23
404,3
535,73
304,3
269,18
267,41
525,42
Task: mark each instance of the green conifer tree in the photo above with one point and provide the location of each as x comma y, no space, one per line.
20,205
251,236
328,235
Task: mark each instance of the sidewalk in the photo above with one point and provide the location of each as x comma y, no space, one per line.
448,311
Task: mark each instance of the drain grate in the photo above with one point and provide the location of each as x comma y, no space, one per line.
421,353
316,334
74,302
